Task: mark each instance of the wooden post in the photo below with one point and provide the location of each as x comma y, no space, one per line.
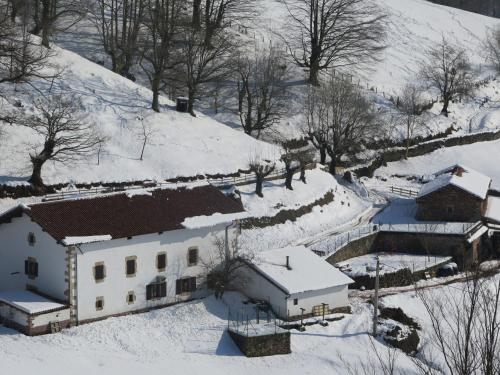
375,300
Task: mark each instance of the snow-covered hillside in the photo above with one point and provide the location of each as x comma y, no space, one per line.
180,144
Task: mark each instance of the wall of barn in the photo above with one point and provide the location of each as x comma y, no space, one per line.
116,285
450,204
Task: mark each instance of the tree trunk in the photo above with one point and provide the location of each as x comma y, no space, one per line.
314,68
155,87
446,104
303,174
332,165
258,185
289,177
191,94
45,23
196,21
36,175
322,155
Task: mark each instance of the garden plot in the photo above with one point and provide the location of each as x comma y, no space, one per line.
365,265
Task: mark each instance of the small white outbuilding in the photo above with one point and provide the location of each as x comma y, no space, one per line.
295,282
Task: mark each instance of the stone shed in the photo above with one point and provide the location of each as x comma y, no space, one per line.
457,194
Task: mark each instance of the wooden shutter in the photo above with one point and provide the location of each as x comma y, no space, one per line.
178,286
26,267
192,284
149,290
163,289
162,258
35,269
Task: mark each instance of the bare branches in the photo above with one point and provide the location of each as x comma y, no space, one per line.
339,120
447,69
465,327
119,23
492,47
411,106
65,137
324,34
261,89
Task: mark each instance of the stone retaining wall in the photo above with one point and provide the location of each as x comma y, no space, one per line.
261,346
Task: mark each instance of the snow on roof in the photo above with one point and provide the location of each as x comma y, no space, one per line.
29,302
493,210
68,241
308,271
196,222
460,176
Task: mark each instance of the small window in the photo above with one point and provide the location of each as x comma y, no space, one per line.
31,268
99,272
295,301
131,266
186,285
31,239
161,261
157,289
99,303
193,256
130,297
449,209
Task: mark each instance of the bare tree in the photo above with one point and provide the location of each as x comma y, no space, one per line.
261,168
119,23
213,16
324,34
21,58
261,89
465,327
492,47
411,106
157,47
448,70
46,14
145,133
201,64
375,363
223,264
65,136
291,157
340,120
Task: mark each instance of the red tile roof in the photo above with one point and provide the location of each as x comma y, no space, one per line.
123,216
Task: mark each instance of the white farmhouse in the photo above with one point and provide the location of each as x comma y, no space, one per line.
70,262
295,282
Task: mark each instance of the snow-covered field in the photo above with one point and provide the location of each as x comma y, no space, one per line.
346,210
184,339
277,197
389,263
179,144
483,157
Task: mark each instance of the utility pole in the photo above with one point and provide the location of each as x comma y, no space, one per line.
375,299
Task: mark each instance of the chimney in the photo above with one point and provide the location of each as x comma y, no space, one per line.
288,263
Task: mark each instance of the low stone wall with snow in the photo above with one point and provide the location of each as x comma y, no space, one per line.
397,154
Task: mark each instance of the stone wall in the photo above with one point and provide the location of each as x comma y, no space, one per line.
261,346
450,204
354,249
454,245
422,149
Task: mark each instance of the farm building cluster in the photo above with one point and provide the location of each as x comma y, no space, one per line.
74,261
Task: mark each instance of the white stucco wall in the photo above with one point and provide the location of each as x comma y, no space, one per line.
12,314
258,287
334,297
46,318
116,285
14,250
